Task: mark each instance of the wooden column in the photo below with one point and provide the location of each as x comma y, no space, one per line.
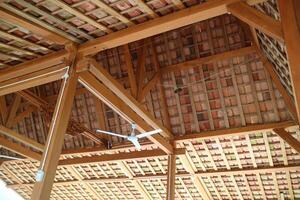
171,177
58,127
291,35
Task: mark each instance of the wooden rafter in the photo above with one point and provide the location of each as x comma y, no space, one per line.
159,25
34,79
292,40
34,66
257,19
209,59
45,33
234,131
19,149
286,97
13,110
288,138
73,128
109,98
130,71
120,91
21,138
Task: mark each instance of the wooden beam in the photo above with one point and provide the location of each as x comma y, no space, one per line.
74,126
17,148
35,65
105,158
292,41
141,69
32,27
34,79
150,85
28,110
159,25
257,19
119,106
117,89
209,59
13,111
234,131
3,109
21,138
171,177
58,127
130,71
289,103
288,138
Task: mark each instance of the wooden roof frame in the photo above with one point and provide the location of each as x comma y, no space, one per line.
32,74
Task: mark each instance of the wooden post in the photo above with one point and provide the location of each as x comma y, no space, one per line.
58,127
171,177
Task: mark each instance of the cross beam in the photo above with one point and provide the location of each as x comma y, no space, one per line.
104,94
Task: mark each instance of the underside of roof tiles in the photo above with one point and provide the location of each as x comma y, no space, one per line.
195,81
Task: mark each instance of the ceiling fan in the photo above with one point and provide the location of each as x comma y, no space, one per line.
132,137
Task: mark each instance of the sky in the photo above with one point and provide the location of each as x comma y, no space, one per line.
8,193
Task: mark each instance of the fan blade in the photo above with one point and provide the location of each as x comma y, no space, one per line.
146,134
113,134
136,143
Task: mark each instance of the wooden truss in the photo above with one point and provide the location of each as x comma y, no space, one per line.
75,63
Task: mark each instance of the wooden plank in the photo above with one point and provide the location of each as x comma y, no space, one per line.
292,41
288,138
13,111
120,91
234,131
110,99
171,177
31,80
159,25
17,148
34,28
21,138
257,19
58,127
126,156
209,59
35,65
